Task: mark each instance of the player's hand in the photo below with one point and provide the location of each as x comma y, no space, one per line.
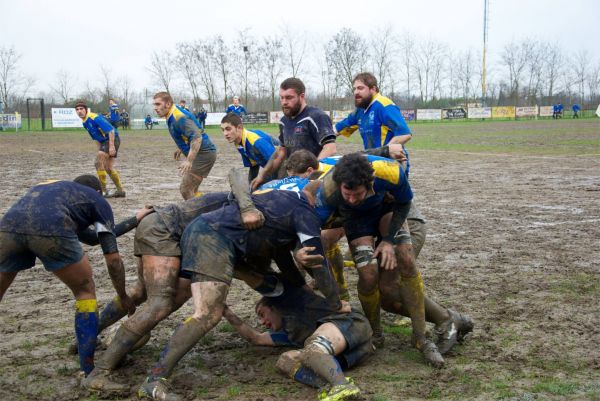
143,212
184,167
306,260
255,183
253,219
177,154
385,251
112,151
397,152
345,308
128,304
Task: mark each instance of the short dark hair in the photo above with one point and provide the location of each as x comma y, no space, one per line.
90,181
165,96
354,170
233,119
293,83
368,79
301,160
81,103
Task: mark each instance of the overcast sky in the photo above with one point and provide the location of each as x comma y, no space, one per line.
78,36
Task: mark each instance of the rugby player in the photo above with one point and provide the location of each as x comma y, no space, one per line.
236,107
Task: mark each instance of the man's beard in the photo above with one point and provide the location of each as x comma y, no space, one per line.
292,112
363,103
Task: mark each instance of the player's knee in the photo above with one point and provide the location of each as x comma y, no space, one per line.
317,343
160,307
288,362
363,256
138,294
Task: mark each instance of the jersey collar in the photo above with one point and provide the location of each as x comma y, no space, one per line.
171,111
373,101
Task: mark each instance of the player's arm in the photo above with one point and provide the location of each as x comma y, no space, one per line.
272,166
246,331
252,218
325,135
395,123
347,126
90,237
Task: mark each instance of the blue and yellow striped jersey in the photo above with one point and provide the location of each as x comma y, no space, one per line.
239,109
257,147
377,124
184,128
114,113
98,127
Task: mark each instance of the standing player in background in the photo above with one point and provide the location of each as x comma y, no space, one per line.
301,127
113,113
255,147
107,137
191,141
236,107
182,104
202,114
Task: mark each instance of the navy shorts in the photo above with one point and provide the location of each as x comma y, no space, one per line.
18,251
356,329
206,254
104,146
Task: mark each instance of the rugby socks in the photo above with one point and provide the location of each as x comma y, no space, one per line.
371,305
116,178
323,365
435,313
183,339
336,261
86,329
197,194
112,313
307,376
413,298
121,344
102,178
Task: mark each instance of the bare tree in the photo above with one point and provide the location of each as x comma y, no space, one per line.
407,49
553,67
12,81
347,51
222,57
187,64
534,65
465,74
514,57
594,83
162,69
383,49
127,94
244,58
205,56
62,86
108,83
581,65
427,66
271,51
295,44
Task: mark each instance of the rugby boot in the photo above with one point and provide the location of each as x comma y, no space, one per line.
431,354
447,335
99,380
378,339
159,389
341,392
464,324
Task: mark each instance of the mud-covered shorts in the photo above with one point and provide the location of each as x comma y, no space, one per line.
152,237
104,146
357,331
18,251
206,255
203,163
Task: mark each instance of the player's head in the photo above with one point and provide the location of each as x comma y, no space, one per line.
301,163
81,109
236,100
268,314
354,175
291,96
112,102
182,103
162,103
90,181
364,87
232,128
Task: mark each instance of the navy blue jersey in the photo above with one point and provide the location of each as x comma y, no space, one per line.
58,208
288,218
114,113
309,130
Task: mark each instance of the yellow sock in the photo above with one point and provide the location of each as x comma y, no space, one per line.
336,261
197,194
371,304
114,176
102,178
86,305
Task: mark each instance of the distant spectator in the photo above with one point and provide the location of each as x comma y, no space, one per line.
576,109
148,121
236,107
560,108
113,113
124,119
182,104
202,117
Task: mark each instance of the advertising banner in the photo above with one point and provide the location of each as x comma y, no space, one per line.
480,112
503,112
530,111
261,117
429,114
409,114
65,118
546,111
339,115
454,113
8,121
275,116
214,118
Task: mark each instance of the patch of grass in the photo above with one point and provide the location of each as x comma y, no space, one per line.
510,339
379,397
234,391
506,393
208,339
226,328
403,331
27,345
390,378
579,284
412,355
64,370
435,393
201,392
23,373
555,387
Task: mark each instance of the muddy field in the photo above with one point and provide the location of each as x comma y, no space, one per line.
513,240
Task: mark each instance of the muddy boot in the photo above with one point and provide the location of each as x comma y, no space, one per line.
378,339
464,324
430,353
341,392
99,380
447,335
160,389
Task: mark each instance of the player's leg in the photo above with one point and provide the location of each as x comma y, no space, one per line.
330,239
112,171
100,164
200,169
189,185
6,280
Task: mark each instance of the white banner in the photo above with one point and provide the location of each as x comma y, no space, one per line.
214,118
65,118
275,116
339,115
429,114
10,121
479,112
531,111
598,111
546,111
